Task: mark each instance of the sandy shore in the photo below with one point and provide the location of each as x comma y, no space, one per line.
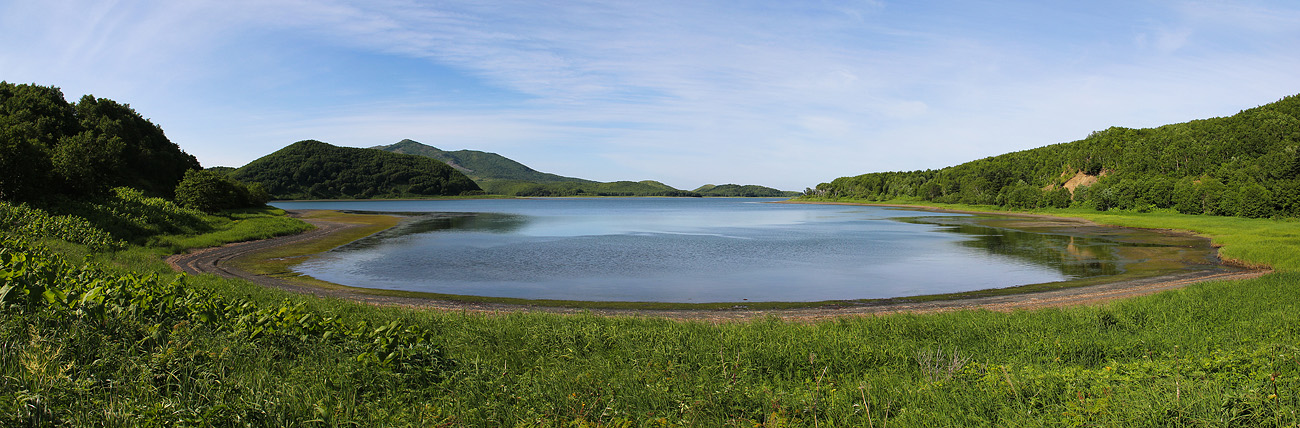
215,261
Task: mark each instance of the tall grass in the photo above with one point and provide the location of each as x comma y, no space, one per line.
1212,354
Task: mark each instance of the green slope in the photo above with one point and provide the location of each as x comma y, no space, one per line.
478,165
587,188
500,175
746,191
315,170
1246,165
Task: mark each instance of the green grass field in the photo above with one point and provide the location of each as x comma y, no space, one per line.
217,352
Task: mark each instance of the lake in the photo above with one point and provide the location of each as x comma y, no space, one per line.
695,250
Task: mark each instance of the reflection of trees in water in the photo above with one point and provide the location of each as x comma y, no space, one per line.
1074,256
468,222
422,223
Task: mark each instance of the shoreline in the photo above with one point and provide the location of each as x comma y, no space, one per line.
217,260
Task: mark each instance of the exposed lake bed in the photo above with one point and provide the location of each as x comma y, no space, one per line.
734,250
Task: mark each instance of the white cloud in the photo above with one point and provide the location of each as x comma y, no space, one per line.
777,93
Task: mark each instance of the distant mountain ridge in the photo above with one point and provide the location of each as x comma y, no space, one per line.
745,191
498,174
478,165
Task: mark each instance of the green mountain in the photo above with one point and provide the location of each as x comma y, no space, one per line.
315,170
1245,165
478,165
747,191
585,188
500,175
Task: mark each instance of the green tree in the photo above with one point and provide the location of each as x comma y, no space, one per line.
1022,196
1254,201
145,158
49,147
211,191
1188,197
1056,198
32,120
88,163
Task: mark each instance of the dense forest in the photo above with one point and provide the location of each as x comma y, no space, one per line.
1243,165
50,148
500,175
584,188
479,166
745,191
314,170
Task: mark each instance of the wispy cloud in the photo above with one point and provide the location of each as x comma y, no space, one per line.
687,92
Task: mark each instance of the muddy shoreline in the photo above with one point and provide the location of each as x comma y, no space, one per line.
216,261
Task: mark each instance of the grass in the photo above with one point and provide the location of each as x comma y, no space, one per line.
239,226
277,262
1273,243
1217,354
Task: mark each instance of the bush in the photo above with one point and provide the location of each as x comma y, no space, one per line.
29,223
211,192
1253,201
1056,198
131,216
1022,196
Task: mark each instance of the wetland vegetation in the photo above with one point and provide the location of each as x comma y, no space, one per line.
95,330
117,339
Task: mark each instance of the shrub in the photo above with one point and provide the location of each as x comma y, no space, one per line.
211,192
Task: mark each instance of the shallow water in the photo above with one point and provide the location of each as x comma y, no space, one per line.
701,250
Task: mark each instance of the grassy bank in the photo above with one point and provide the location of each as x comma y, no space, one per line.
1250,241
1213,354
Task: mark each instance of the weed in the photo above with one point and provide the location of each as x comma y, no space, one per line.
936,366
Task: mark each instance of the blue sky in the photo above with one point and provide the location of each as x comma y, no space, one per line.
780,93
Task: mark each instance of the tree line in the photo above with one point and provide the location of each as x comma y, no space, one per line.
1245,165
50,147
55,153
583,188
742,191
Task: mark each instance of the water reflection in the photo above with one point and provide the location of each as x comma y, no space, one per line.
422,223
1074,256
727,251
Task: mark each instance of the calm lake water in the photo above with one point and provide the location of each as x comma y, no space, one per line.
695,250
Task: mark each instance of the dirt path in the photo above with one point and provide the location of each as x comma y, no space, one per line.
214,261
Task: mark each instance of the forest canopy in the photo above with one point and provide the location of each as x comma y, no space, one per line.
314,170
744,191
500,175
478,165
50,147
584,188
1244,165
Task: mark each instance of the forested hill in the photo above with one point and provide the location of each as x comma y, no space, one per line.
52,148
1246,165
500,175
478,165
584,188
746,191
315,170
